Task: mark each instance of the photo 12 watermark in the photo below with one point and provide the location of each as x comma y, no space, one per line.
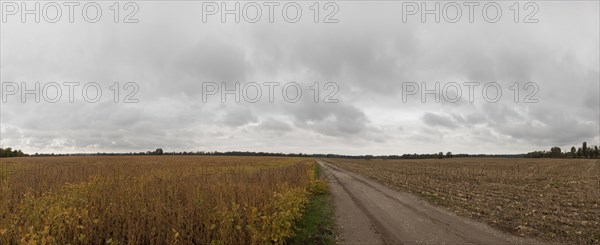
253,92
68,92
469,11
453,92
269,12
68,12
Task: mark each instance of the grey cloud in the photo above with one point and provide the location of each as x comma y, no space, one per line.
426,135
435,120
274,125
336,120
498,114
469,119
347,53
238,116
215,61
367,57
547,126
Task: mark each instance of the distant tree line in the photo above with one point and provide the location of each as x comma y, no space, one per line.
555,152
9,152
584,151
160,151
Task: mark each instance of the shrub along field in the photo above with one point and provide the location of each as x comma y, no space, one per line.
153,199
555,200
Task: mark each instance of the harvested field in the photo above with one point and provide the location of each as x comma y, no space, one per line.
555,200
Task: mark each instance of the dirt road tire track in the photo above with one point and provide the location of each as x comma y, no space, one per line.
367,212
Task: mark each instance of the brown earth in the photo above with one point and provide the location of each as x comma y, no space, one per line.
367,212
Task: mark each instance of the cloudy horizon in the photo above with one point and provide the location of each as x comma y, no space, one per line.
370,67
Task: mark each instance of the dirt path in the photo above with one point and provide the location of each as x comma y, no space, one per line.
367,212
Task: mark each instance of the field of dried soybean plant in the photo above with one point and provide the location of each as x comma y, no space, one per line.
152,199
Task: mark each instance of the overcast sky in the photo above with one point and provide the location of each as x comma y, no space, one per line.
369,55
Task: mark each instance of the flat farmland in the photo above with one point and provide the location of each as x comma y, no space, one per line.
553,200
152,199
